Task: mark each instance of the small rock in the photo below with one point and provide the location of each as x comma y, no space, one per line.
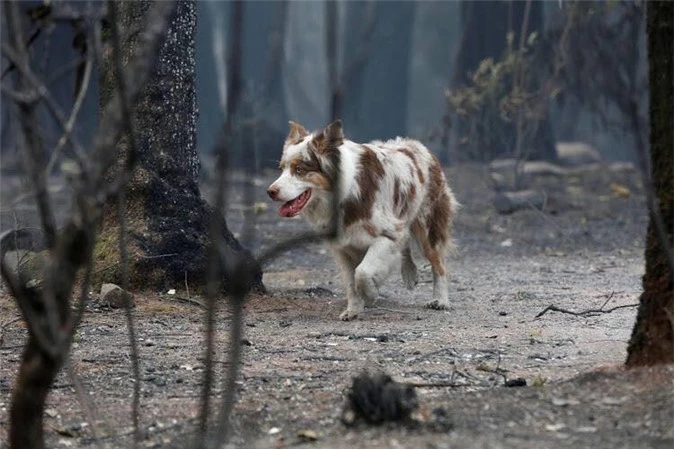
614,401
574,154
506,243
564,401
114,296
274,430
308,435
503,313
555,427
622,166
508,202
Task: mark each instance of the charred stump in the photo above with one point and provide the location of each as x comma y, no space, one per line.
652,338
167,218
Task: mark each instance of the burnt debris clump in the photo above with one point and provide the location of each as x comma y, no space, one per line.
377,399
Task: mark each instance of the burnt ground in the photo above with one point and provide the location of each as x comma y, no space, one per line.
585,250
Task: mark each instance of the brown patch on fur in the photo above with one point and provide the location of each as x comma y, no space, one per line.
320,180
368,180
397,193
310,170
406,203
329,139
439,220
409,153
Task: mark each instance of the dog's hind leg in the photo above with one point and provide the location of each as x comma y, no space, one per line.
408,268
435,253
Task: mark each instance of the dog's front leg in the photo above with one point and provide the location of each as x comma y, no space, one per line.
370,274
348,263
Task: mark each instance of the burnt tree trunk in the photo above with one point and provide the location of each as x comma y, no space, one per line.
167,219
377,81
652,339
485,25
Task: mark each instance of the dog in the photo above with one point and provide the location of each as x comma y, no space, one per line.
385,193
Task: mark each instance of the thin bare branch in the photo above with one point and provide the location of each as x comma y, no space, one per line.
39,91
79,101
217,258
131,155
584,312
46,306
32,136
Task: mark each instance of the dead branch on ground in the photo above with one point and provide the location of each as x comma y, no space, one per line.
587,312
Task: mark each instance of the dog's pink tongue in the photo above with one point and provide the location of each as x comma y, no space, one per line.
289,209
286,210
293,207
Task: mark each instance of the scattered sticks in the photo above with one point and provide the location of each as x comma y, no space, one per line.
587,312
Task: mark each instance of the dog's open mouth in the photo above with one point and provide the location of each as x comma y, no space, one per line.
293,207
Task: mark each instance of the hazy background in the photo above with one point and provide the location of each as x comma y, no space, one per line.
394,62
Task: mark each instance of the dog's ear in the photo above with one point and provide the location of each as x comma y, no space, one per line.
329,139
297,133
334,133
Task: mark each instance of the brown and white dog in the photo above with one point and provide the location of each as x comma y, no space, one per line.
386,193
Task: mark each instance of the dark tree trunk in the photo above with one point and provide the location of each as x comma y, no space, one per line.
652,339
485,25
377,81
167,218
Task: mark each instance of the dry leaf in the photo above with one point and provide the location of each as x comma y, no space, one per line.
308,435
620,190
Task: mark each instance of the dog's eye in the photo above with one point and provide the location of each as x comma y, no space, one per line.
299,170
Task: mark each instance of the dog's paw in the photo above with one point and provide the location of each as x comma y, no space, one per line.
438,305
348,315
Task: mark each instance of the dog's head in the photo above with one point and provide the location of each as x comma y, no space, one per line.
309,165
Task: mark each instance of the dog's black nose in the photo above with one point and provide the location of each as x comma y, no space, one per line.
273,192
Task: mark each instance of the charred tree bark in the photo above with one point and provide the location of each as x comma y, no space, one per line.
167,218
652,338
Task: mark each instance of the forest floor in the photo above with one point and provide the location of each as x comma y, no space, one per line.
583,251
